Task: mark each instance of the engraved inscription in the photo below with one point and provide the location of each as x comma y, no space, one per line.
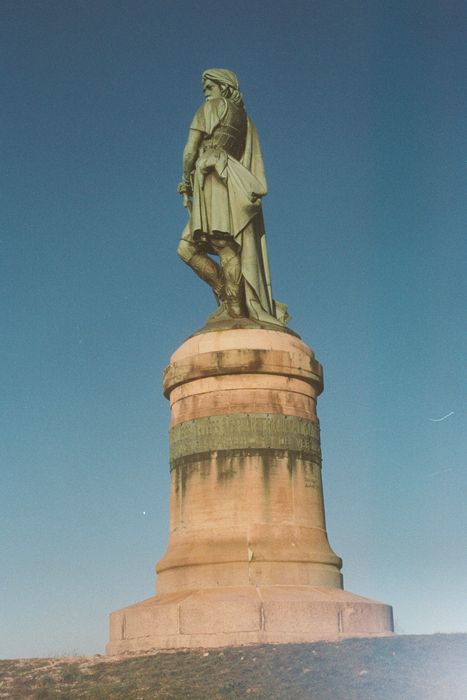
243,431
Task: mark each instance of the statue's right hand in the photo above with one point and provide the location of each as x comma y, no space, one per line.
184,189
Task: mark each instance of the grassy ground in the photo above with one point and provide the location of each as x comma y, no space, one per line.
426,667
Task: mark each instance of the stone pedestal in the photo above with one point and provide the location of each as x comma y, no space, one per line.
248,559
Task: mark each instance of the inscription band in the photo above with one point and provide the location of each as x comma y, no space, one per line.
243,431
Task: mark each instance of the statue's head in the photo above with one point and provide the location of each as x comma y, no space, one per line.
227,82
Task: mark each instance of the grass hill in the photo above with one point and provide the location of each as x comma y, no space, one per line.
425,667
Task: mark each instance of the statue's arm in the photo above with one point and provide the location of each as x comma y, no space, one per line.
190,155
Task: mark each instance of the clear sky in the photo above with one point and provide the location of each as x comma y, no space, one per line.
360,108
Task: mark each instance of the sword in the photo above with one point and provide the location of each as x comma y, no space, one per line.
187,203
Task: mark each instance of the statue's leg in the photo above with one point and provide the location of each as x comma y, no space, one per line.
232,272
204,266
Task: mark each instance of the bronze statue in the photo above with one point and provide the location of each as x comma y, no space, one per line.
223,183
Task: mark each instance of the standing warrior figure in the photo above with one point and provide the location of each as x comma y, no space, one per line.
223,182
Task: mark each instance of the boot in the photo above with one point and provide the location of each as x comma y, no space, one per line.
210,272
232,272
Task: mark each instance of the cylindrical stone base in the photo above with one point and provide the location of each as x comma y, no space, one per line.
248,559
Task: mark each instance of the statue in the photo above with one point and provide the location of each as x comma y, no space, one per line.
223,183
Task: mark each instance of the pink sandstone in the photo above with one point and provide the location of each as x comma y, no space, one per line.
248,559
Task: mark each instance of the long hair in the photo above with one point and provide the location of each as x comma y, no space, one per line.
231,93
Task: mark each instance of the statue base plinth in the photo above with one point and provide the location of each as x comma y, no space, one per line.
248,559
217,617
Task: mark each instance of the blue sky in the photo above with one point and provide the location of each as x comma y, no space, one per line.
360,108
